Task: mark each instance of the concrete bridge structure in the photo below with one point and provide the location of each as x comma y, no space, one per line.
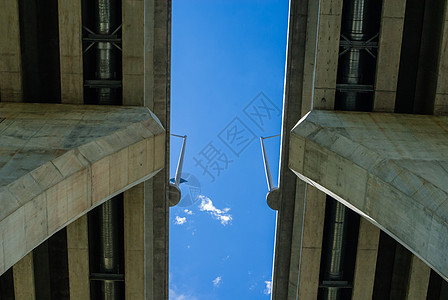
363,177
84,189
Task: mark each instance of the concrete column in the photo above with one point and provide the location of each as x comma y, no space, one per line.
134,240
134,16
365,266
441,99
313,228
146,51
78,258
329,32
23,273
10,58
389,51
418,279
296,239
138,42
70,50
310,56
325,71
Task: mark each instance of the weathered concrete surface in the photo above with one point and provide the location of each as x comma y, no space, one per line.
134,242
310,253
59,161
390,168
23,273
327,54
389,51
70,51
10,58
288,234
441,98
366,255
418,280
146,82
78,258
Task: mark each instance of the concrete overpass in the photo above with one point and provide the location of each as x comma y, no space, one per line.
337,236
58,240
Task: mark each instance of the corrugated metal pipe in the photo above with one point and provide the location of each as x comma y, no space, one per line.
335,250
109,219
109,248
356,67
106,16
356,70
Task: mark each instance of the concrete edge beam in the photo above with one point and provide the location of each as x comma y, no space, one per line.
366,180
23,273
418,283
10,58
366,256
82,179
70,51
389,52
78,258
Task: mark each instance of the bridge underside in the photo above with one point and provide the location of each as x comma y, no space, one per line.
390,168
58,162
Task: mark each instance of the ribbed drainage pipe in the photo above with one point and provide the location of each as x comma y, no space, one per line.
109,248
106,16
355,68
109,239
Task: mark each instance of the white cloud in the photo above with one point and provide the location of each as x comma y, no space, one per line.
176,295
268,289
220,214
188,212
217,281
180,221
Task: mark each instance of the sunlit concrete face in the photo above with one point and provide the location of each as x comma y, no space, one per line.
59,161
390,168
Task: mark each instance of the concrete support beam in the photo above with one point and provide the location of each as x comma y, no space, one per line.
390,168
418,279
57,170
146,54
288,236
70,50
149,228
319,88
389,51
23,273
78,258
313,228
296,239
441,98
135,26
146,82
366,254
329,31
10,58
134,242
309,66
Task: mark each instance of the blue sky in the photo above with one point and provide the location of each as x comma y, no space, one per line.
227,72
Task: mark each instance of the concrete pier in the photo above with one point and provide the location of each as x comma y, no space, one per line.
56,166
389,168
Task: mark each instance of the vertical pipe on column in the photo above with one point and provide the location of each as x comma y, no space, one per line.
109,252
106,16
356,67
